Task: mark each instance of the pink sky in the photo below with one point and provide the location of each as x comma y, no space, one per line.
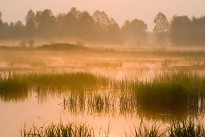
120,10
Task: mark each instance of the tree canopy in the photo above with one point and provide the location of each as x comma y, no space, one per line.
99,27
161,27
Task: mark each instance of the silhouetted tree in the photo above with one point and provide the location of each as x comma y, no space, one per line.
185,31
134,31
68,24
31,25
5,31
46,24
161,27
86,25
1,17
107,29
17,30
180,30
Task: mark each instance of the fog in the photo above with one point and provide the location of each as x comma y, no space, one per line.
99,28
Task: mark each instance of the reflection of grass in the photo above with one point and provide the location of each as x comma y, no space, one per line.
60,130
13,88
13,83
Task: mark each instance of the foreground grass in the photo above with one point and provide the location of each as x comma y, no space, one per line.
60,130
175,129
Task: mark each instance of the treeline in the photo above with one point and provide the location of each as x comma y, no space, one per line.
99,27
75,24
186,31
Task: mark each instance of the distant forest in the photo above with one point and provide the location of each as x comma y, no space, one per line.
99,27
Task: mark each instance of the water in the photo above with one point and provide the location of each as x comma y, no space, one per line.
30,108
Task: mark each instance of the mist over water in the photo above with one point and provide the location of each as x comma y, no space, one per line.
87,75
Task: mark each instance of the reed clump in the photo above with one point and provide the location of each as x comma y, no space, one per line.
170,92
17,81
185,128
15,86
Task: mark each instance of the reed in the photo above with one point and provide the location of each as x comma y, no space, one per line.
170,93
186,129
59,130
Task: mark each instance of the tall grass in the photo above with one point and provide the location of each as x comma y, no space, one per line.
170,93
185,128
17,81
176,93
19,85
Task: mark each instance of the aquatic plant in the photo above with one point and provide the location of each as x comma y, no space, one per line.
59,130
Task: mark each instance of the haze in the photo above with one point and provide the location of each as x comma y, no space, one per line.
120,10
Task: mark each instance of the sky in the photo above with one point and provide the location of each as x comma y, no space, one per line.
120,10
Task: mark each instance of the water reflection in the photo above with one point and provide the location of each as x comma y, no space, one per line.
105,98
14,96
114,104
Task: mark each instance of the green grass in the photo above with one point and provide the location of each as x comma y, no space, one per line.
174,94
17,81
170,92
17,85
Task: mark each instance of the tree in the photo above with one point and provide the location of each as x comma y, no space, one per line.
17,29
161,27
30,26
180,30
0,17
107,28
46,23
134,31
